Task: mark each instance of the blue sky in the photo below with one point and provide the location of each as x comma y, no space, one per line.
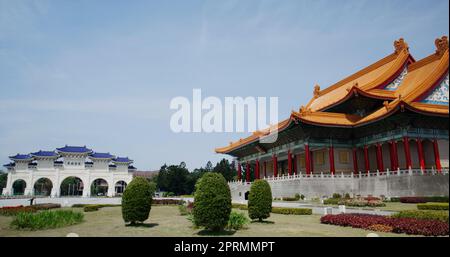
102,73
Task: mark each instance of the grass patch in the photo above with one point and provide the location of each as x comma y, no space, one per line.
46,219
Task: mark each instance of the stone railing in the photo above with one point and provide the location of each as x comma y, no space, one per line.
360,175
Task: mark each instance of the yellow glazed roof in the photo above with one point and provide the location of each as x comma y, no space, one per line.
420,78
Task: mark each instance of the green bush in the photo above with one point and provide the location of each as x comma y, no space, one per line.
212,202
427,215
433,206
259,200
293,211
90,208
46,219
137,200
237,220
332,201
183,210
336,195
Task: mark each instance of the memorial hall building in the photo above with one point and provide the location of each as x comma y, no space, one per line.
374,130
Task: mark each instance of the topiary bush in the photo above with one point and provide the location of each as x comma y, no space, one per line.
212,202
260,200
137,200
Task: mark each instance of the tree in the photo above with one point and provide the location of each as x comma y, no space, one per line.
260,200
137,200
212,202
3,179
173,178
225,168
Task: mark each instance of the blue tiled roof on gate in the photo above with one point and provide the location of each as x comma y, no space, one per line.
102,155
123,159
21,157
74,149
11,164
45,154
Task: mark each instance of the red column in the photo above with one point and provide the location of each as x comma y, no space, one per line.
355,160
295,164
395,154
380,163
289,163
420,153
437,158
257,169
239,175
247,172
275,166
331,157
265,169
366,159
307,160
407,152
391,155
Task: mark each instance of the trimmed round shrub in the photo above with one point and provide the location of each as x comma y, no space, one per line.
212,202
137,200
260,200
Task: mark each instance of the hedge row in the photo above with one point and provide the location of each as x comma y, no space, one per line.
410,226
425,215
239,206
167,202
420,199
93,207
292,211
433,206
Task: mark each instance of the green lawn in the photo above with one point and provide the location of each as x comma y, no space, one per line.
166,221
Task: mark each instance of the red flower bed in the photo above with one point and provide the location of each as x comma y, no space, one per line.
13,210
399,225
413,199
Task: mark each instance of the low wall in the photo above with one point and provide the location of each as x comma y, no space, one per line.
389,186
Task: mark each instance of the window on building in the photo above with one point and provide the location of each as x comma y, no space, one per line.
319,158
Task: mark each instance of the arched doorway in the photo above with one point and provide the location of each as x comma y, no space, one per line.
246,195
71,186
99,187
19,186
120,187
43,187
